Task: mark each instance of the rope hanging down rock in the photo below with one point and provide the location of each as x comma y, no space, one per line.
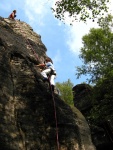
55,115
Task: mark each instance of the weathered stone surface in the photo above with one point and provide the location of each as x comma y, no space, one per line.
27,110
101,133
82,93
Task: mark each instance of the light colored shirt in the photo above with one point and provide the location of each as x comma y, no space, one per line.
50,65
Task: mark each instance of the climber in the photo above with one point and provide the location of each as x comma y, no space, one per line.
12,15
48,72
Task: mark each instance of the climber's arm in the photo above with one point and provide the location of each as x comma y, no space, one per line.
41,65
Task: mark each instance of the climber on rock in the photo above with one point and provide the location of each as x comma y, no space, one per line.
48,71
12,15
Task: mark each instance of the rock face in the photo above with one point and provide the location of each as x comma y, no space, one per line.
101,134
82,93
31,116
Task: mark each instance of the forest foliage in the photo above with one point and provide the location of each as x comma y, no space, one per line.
65,89
97,51
80,9
97,57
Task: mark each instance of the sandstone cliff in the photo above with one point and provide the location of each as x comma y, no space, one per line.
27,112
101,130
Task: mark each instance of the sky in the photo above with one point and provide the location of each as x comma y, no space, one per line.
63,42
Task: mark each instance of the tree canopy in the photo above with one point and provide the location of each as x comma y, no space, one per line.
97,51
82,9
66,91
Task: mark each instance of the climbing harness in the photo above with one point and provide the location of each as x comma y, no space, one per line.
55,115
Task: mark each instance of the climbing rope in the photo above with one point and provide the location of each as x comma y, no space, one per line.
55,115
51,93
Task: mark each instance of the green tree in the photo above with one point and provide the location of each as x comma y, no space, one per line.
97,51
80,8
65,89
102,101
